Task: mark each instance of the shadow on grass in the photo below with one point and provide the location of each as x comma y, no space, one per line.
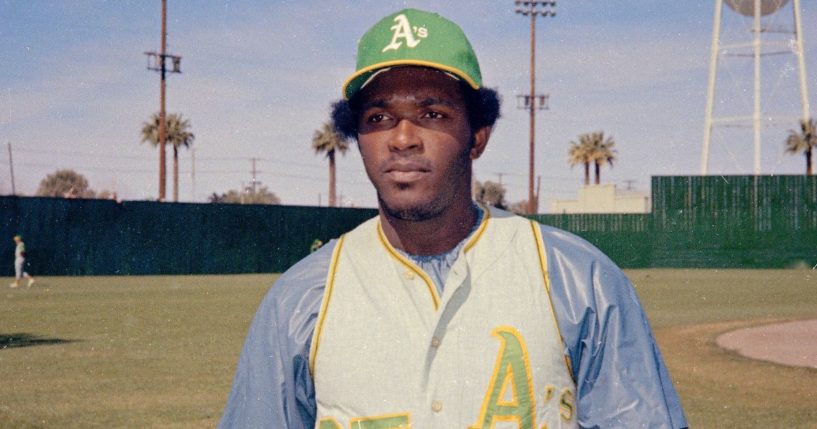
8,341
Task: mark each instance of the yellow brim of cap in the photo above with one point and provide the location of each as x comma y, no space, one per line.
354,82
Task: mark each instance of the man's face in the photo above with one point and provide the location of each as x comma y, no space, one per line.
416,142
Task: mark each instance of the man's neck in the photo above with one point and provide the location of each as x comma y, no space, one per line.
431,236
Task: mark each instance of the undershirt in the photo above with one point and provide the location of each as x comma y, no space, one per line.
437,266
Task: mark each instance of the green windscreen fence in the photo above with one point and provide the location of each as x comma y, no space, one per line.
696,221
625,238
95,237
734,221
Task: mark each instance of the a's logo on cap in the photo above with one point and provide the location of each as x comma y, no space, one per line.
403,30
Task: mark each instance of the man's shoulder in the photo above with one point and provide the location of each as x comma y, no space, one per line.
307,278
578,271
364,228
310,267
569,253
554,238
570,244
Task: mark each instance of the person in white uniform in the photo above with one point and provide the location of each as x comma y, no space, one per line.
19,263
439,312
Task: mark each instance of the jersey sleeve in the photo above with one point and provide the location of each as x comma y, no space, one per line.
621,378
272,387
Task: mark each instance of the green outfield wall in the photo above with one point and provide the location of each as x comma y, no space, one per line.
734,221
696,221
95,237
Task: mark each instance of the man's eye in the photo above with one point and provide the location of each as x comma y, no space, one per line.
434,115
376,118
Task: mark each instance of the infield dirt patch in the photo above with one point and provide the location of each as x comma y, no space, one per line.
790,343
720,387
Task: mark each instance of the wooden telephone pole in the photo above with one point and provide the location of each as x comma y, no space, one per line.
156,62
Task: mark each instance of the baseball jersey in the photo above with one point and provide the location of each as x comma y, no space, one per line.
487,351
620,377
20,251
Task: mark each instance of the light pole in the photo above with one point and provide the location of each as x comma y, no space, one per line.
534,101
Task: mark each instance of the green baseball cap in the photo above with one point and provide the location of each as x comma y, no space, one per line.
414,37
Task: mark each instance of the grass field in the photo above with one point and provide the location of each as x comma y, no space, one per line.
159,352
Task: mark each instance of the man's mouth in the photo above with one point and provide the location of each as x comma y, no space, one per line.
403,172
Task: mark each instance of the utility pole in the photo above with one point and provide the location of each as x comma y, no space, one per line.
156,62
193,173
11,170
533,9
255,182
11,164
538,187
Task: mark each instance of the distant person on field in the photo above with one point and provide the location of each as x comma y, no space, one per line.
19,263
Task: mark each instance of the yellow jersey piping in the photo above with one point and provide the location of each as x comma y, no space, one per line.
480,230
327,295
540,248
410,265
419,271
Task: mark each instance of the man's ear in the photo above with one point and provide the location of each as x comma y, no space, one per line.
481,137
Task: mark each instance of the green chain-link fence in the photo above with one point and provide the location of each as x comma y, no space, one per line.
696,221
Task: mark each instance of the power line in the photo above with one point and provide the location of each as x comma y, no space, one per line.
207,172
146,158
85,154
232,171
270,174
110,169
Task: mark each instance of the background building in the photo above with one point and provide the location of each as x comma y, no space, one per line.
603,199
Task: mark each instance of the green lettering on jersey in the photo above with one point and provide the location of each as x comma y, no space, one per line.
509,397
329,423
399,421
566,404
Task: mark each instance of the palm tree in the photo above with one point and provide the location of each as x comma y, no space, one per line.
327,140
579,153
178,135
803,141
601,151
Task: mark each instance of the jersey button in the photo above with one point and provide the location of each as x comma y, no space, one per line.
408,275
436,406
435,342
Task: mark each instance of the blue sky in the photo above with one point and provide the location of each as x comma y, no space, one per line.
259,76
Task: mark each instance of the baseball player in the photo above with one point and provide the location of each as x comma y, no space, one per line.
440,313
19,263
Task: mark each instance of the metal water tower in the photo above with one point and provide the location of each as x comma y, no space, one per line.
759,46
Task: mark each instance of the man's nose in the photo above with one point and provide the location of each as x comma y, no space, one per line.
406,137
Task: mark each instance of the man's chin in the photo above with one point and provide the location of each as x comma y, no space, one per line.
410,211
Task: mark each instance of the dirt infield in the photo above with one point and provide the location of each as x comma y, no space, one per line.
790,343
